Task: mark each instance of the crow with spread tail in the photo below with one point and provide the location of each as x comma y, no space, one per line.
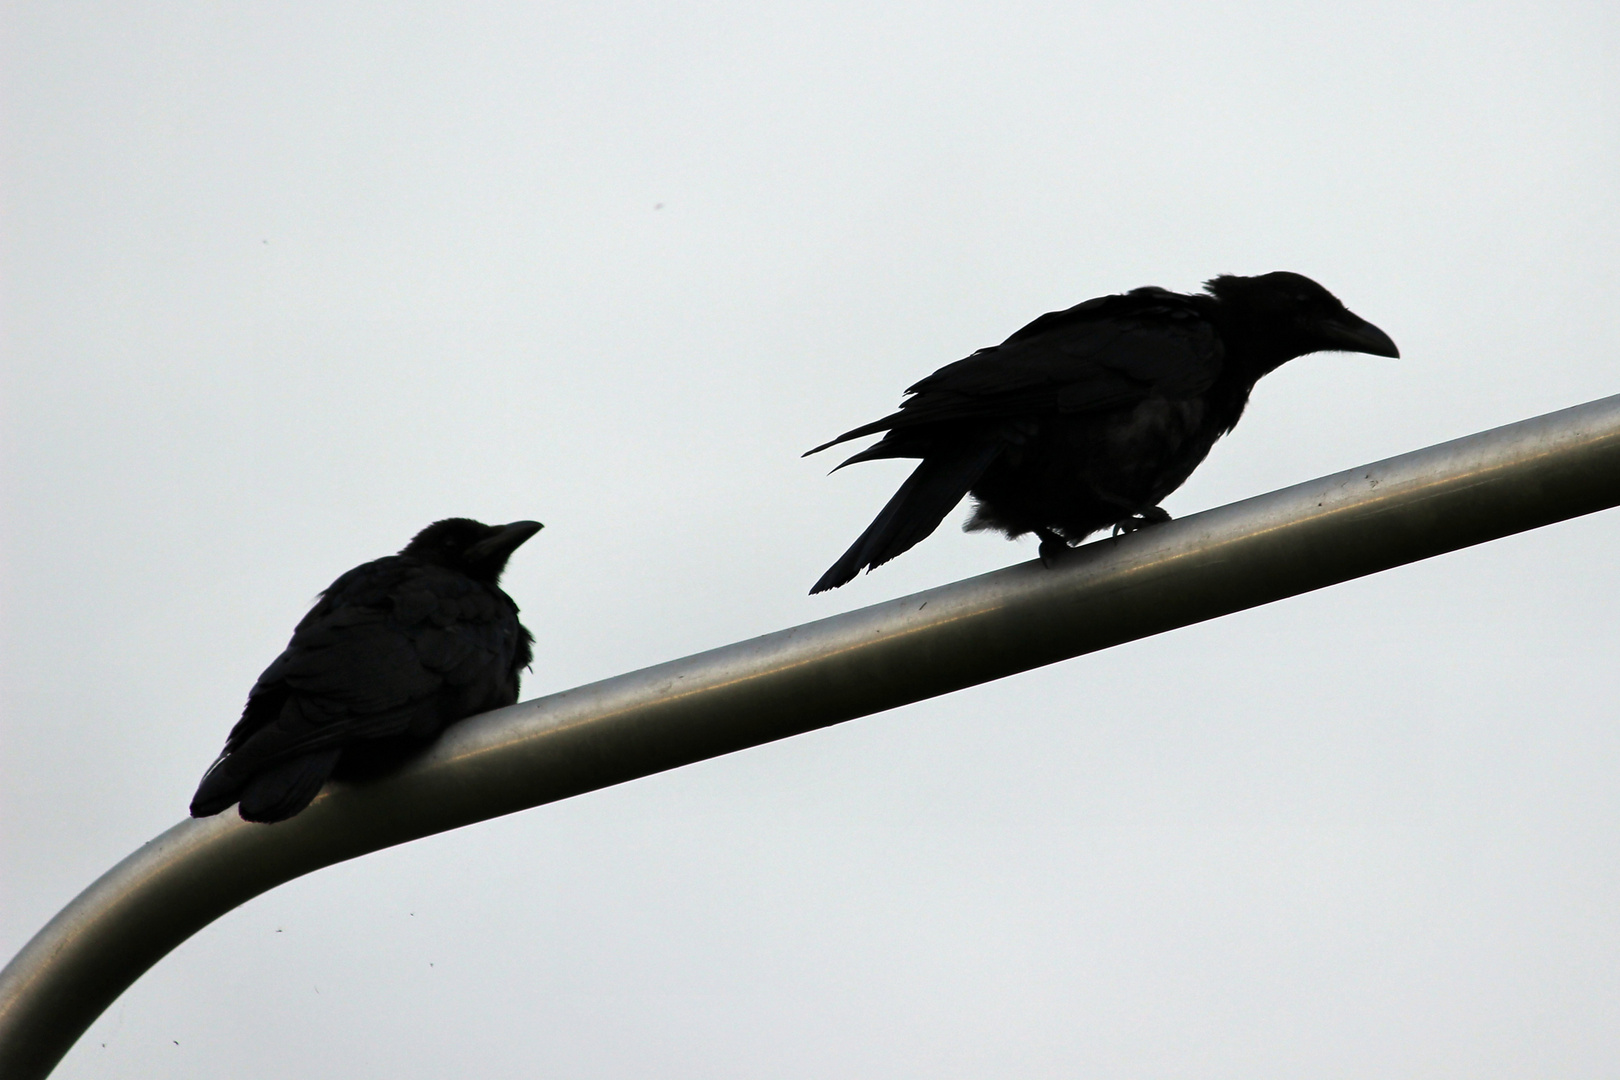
1087,418
392,653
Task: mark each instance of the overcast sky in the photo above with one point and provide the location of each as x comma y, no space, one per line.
284,282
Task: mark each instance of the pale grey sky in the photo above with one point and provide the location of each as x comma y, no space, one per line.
283,283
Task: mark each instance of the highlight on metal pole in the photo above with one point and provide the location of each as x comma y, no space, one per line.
1305,537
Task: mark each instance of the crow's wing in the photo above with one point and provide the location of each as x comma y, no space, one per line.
391,649
1102,354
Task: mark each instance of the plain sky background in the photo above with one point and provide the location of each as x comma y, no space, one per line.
285,282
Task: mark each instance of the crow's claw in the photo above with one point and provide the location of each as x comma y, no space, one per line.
1052,545
1153,515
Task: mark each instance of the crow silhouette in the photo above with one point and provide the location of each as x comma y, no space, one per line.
392,653
1087,418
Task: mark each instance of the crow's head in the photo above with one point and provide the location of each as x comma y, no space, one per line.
1283,315
480,551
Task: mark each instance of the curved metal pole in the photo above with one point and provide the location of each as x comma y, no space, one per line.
1301,538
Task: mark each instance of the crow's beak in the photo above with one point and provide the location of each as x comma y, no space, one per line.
1351,333
500,546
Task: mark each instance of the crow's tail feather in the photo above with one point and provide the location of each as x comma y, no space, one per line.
931,491
272,794
282,791
219,790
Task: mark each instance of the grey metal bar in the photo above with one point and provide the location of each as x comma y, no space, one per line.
1306,537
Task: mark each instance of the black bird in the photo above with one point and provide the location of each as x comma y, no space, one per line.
1088,418
393,652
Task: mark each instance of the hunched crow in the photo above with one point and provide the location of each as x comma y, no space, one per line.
393,652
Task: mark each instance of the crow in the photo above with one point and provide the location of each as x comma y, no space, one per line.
1087,418
392,653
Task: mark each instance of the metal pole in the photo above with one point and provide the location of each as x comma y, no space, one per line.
1306,537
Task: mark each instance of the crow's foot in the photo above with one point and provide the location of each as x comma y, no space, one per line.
1153,515
1052,545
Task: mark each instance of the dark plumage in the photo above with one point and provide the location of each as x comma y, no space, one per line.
392,653
1087,418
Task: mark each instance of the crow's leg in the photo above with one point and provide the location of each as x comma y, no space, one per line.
1052,545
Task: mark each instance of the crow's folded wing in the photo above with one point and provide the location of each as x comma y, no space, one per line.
1103,354
374,663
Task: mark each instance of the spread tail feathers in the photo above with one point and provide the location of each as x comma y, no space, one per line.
932,491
